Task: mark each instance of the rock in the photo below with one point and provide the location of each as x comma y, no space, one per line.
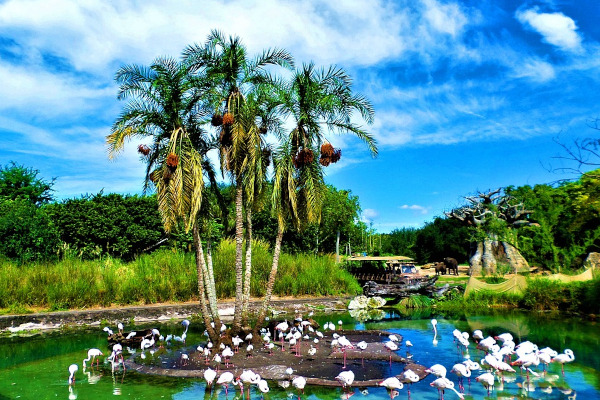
376,302
357,303
361,302
592,260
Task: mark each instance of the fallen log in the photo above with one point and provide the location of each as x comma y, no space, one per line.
400,290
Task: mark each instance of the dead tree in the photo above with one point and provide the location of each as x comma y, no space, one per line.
480,211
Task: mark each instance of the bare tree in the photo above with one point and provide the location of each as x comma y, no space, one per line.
494,216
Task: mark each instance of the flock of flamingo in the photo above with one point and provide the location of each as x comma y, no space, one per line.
500,355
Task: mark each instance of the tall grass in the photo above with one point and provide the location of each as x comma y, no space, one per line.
163,276
540,295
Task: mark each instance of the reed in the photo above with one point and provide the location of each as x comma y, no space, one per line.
163,276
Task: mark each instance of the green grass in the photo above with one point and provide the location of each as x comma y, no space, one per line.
541,295
163,276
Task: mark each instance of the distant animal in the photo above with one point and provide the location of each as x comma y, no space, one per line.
440,268
451,265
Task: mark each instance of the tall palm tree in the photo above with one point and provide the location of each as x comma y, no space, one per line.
224,63
161,105
319,102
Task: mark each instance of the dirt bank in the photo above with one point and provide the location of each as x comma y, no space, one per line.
158,312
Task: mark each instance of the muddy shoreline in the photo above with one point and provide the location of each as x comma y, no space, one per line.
160,312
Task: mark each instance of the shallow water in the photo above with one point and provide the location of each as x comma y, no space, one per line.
36,367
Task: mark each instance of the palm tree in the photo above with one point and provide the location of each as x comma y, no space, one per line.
232,75
318,101
162,99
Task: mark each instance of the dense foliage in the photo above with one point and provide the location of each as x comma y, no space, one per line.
125,226
162,276
567,222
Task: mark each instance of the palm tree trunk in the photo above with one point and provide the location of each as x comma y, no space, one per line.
248,272
239,241
337,248
212,294
271,282
214,336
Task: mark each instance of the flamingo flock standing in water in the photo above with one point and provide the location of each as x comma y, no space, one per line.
500,354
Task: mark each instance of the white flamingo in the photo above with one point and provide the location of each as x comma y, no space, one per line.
410,377
391,346
462,371
391,384
442,384
438,370
263,386
345,378
299,383
209,376
563,358
225,379
487,380
434,324
92,355
73,368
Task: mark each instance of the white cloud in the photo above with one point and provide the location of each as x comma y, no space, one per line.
47,93
445,18
416,208
368,215
556,28
536,70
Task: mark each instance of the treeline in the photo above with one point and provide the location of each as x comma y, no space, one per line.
563,228
34,227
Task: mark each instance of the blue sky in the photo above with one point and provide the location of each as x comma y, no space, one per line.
469,95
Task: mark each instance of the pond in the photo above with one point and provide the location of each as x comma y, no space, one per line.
36,366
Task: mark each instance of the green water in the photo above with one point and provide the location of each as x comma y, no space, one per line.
36,366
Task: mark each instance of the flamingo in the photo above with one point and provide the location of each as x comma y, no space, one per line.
73,368
442,384
345,378
225,379
527,360
116,353
410,377
249,350
408,344
249,377
438,370
362,345
504,337
217,360
487,380
299,382
461,370
434,324
236,341
184,360
281,327
227,354
477,335
563,358
108,330
120,327
92,355
263,386
391,346
270,346
312,351
210,375
346,344
391,384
